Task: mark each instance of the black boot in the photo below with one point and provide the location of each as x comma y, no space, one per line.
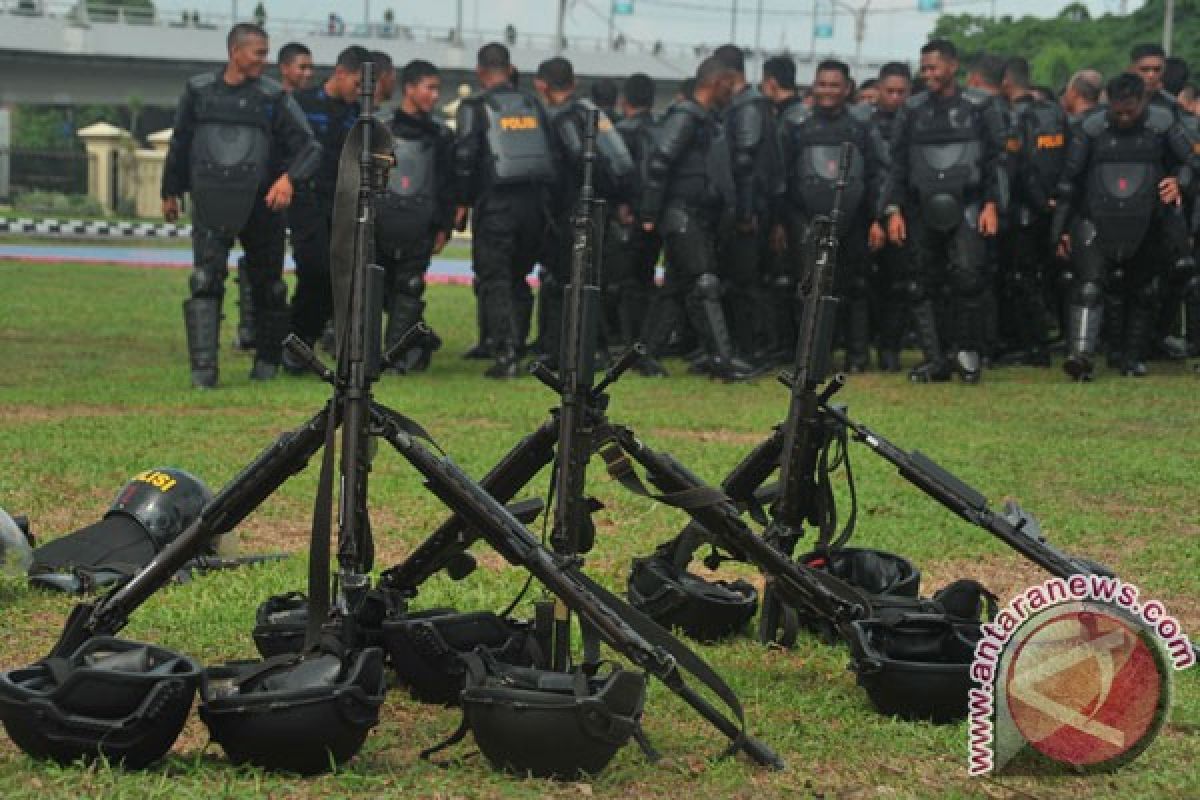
202,321
270,333
404,311
1138,326
722,363
858,337
247,318
1083,328
934,368
507,363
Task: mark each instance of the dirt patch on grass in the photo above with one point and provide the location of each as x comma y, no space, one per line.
22,414
717,435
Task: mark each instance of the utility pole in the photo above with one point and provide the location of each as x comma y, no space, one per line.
733,24
367,16
458,25
558,27
758,27
235,14
1168,25
859,15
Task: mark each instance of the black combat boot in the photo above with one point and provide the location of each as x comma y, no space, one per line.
858,337
934,368
1083,328
202,321
270,333
1138,326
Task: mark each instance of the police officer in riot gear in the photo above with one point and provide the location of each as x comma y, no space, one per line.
295,72
754,144
1041,134
893,262
503,166
230,128
567,115
950,172
631,254
416,212
1128,166
331,110
811,145
1149,62
689,184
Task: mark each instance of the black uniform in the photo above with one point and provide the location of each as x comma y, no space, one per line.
754,148
948,160
811,143
1040,129
311,214
1125,242
630,253
225,141
503,166
892,268
417,205
613,181
689,184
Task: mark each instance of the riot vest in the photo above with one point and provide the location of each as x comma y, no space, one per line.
767,158
638,132
816,146
1122,179
885,122
230,151
610,146
407,206
945,158
518,143
703,174
1044,133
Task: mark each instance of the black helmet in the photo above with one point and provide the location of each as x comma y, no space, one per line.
550,724
426,648
885,576
301,714
915,666
163,500
675,598
118,699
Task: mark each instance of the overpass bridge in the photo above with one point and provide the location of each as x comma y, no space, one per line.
58,53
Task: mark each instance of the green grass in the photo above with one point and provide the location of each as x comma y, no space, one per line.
93,388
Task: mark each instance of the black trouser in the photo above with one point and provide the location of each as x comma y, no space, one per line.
311,220
508,231
405,262
889,306
1028,257
630,258
742,256
263,237
956,259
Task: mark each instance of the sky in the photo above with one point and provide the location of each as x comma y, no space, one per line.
893,29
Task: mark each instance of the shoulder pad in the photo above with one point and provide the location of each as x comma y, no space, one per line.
1095,122
689,107
861,112
976,97
796,114
750,95
269,86
916,100
202,81
1159,118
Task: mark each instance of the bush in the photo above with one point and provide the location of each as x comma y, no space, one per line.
80,205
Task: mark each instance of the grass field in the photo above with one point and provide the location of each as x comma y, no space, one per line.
93,388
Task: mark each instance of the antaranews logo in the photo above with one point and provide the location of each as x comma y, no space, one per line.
1078,670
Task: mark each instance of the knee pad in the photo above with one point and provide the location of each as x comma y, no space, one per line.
782,283
412,284
277,293
708,287
967,282
1149,291
207,283
913,290
1088,294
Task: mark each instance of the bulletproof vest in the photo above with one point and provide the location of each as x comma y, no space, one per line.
767,159
703,175
1122,179
638,133
816,146
885,122
1045,129
407,206
945,157
518,143
230,151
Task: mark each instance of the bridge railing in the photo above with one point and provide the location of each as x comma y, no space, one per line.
85,14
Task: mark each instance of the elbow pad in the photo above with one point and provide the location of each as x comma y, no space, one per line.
305,165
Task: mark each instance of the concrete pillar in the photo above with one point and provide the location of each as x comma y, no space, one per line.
108,148
147,194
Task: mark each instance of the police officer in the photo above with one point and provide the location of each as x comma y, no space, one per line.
811,143
1128,166
1149,62
893,262
295,72
416,212
231,126
689,184
631,254
503,166
331,110
613,177
1041,133
950,171
754,143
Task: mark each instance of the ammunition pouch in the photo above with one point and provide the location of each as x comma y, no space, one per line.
550,724
302,714
675,598
114,699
